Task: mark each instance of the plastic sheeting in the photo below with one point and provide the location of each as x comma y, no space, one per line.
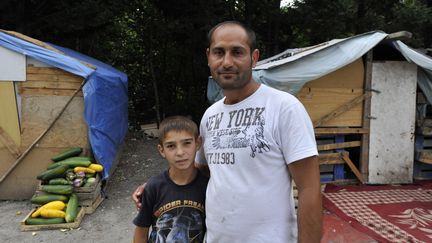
290,70
424,71
105,95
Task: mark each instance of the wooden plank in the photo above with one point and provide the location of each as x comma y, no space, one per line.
53,77
321,101
9,143
338,145
425,156
92,208
345,157
400,35
47,92
73,225
345,107
330,159
50,85
45,70
347,77
9,120
339,130
364,153
427,131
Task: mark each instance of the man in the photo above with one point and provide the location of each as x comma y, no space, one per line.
256,141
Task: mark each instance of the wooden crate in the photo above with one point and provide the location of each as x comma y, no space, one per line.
73,225
86,197
92,208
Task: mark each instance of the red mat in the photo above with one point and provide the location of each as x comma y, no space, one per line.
386,213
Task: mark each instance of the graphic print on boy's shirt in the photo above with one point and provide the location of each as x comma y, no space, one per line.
178,221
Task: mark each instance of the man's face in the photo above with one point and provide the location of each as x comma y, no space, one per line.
229,57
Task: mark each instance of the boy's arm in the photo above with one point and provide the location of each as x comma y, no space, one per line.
141,235
305,173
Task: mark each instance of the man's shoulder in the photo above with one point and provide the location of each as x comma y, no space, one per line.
277,95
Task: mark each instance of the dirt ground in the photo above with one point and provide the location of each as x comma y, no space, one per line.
112,221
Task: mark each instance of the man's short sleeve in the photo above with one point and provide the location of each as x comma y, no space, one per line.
296,133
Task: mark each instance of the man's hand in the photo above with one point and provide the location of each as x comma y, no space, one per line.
136,196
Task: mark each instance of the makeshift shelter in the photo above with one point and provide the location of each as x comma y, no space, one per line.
360,92
51,99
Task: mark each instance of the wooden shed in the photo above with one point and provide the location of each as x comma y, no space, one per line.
42,114
364,112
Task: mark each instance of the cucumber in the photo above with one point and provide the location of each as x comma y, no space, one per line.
76,158
67,153
36,221
72,208
70,163
58,189
59,181
46,198
53,173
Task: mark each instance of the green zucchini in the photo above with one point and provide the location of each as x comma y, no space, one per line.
59,181
77,158
58,189
37,221
67,153
72,208
70,163
46,198
53,173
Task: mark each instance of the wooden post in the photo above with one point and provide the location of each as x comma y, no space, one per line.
364,152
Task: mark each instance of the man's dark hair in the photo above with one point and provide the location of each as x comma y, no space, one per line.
250,33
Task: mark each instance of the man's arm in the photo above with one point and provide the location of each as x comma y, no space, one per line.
136,195
306,175
140,235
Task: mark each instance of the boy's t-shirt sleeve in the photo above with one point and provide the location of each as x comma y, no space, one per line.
145,214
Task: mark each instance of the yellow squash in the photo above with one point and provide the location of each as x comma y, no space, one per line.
83,169
52,213
96,167
59,205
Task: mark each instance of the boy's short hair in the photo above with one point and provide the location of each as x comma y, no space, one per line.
178,124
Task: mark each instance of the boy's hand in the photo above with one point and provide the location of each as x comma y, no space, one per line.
136,196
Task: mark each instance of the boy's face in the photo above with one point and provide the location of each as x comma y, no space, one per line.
179,148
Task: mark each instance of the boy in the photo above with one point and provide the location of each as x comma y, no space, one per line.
173,201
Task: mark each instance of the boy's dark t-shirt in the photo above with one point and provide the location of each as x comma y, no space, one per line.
175,212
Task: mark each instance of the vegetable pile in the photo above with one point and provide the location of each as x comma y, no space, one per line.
59,203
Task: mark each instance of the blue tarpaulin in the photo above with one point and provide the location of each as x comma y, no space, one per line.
105,95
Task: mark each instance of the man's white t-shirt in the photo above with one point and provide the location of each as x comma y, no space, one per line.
247,147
